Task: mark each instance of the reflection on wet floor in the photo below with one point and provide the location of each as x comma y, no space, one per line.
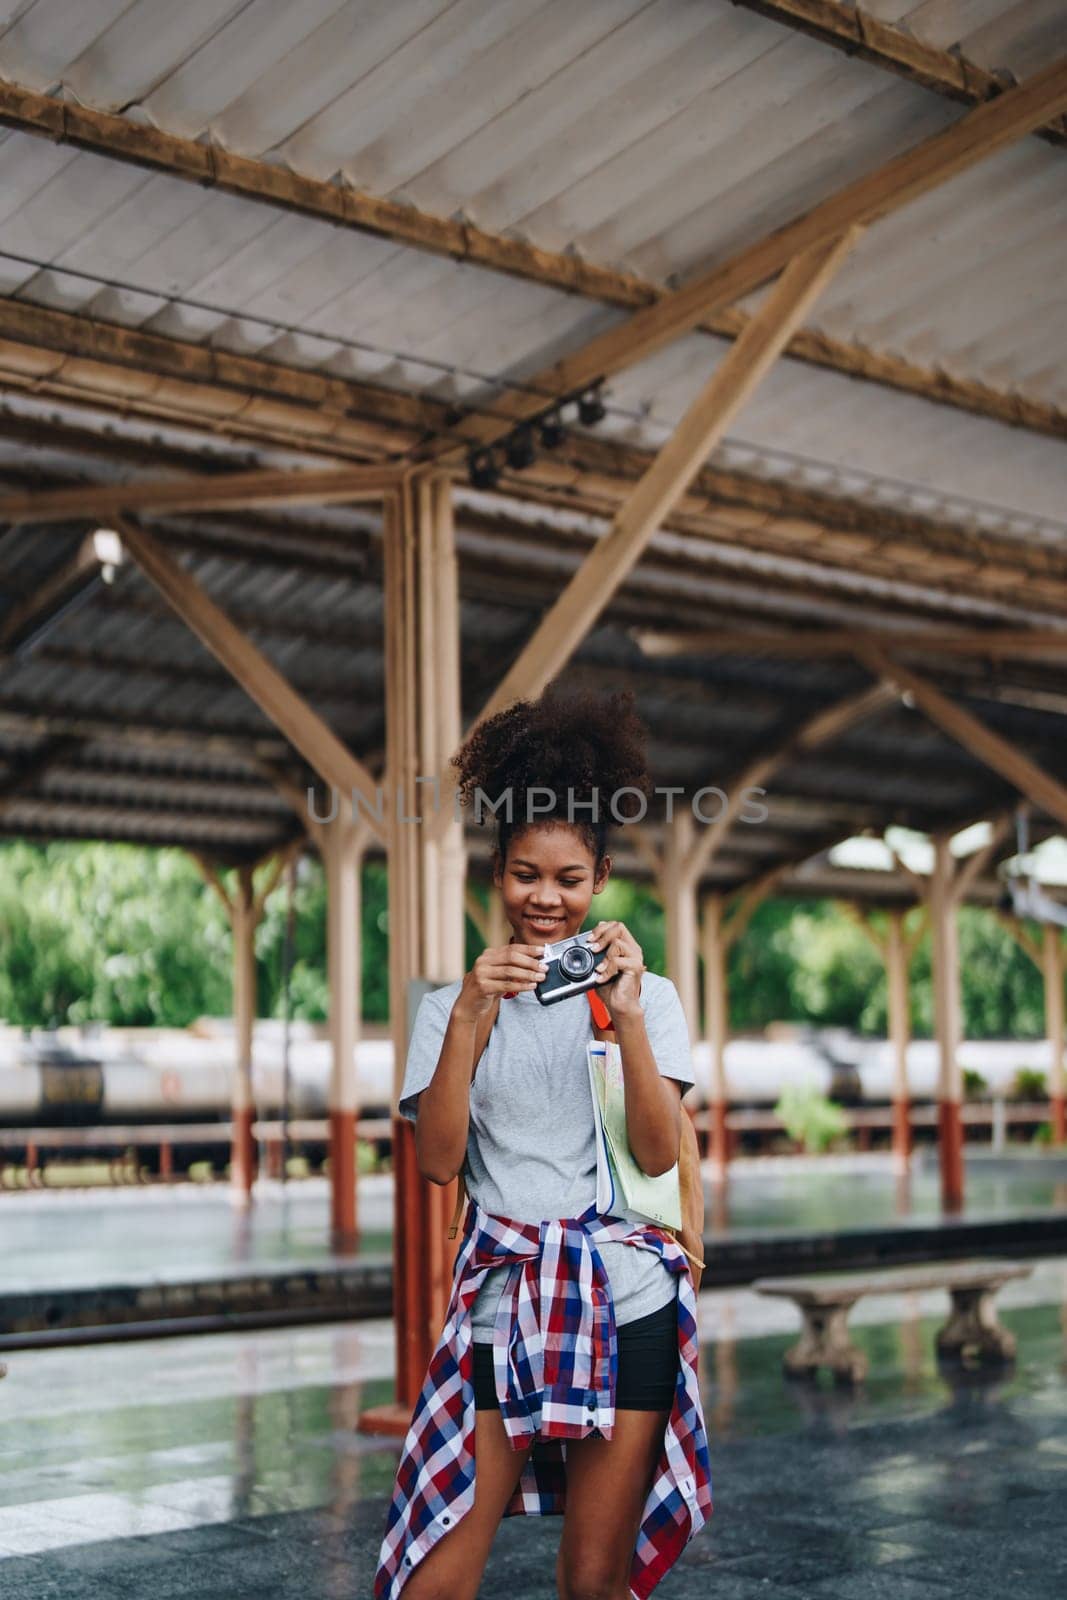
780,1194
231,1465
90,1237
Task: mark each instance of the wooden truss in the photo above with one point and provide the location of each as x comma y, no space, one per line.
209,165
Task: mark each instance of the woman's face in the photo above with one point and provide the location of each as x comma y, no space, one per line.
548,882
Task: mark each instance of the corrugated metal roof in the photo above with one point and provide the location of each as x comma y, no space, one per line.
509,113
657,136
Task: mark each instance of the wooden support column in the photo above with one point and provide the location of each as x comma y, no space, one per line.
896,949
1052,968
492,924
723,923
678,886
444,863
947,1023
244,921
244,909
899,1018
342,843
717,1023
477,913
687,856
944,891
426,899
1048,957
499,932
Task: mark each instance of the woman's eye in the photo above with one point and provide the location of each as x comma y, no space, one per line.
565,883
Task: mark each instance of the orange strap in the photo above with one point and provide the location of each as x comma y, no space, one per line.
601,1014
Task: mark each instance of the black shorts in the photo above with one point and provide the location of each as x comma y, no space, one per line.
648,1364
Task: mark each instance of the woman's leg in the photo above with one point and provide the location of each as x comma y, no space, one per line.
453,1569
607,1485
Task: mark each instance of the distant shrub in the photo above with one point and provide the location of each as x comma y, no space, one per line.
809,1117
1043,1134
1029,1083
974,1084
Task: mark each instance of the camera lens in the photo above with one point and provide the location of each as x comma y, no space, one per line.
577,961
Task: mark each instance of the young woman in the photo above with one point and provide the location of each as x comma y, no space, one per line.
497,1085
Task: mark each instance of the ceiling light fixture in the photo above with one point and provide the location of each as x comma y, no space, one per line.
591,408
552,430
483,469
520,450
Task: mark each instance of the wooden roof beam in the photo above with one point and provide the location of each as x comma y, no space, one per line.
764,881
745,898
971,867
20,718
984,742
349,552
602,571
825,726
84,361
209,492
72,580
287,710
997,644
154,832
988,128
857,32
116,138
162,673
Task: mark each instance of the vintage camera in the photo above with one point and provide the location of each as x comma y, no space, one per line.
572,968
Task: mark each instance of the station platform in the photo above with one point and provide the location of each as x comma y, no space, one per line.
101,1263
197,1468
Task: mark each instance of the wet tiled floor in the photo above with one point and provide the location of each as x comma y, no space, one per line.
225,1467
65,1238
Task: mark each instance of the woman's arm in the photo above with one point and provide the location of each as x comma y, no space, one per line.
443,1116
653,1102
444,1105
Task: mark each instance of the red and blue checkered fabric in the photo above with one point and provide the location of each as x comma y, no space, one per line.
556,1359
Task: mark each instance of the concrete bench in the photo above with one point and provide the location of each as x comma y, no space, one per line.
972,1332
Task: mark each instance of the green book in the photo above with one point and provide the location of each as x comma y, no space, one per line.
653,1199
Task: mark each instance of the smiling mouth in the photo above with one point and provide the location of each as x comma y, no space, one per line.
544,922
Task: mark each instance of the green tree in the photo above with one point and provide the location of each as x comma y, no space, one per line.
131,935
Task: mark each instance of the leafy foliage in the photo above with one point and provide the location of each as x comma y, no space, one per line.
111,933
1029,1083
809,1117
974,1083
126,935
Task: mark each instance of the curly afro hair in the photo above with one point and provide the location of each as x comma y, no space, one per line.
588,744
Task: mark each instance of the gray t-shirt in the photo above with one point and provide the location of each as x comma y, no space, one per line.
531,1145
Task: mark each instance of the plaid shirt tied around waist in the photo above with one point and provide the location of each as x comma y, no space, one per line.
556,1361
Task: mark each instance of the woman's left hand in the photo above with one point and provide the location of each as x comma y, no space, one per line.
625,964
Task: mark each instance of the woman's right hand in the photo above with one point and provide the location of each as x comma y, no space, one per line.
505,969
